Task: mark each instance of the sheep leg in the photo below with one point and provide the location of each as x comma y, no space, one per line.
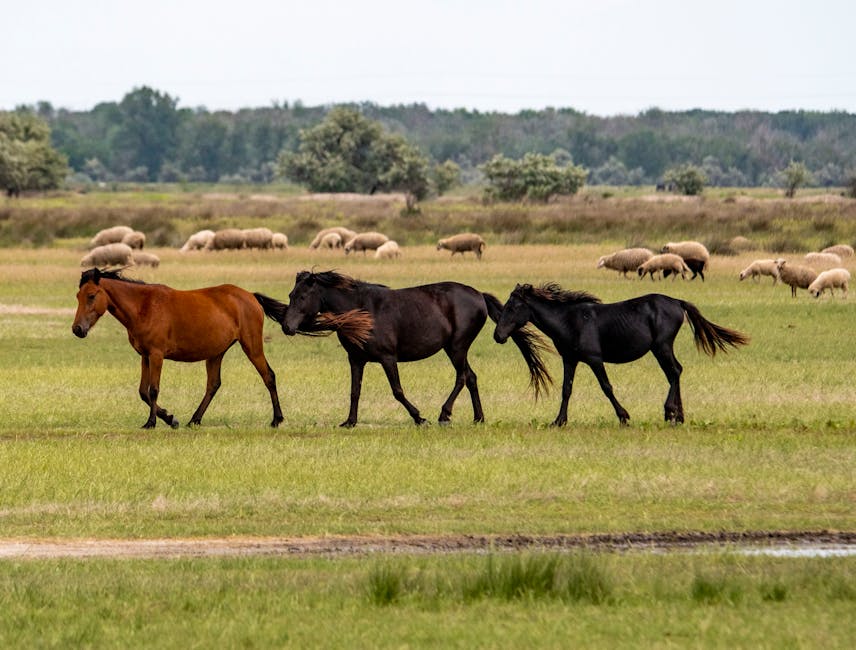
606,387
570,367
212,368
673,408
149,387
357,367
390,367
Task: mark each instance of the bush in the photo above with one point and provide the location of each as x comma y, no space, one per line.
535,177
687,179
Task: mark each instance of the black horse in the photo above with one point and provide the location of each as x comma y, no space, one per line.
408,325
584,329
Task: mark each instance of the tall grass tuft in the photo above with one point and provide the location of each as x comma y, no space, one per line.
715,590
386,584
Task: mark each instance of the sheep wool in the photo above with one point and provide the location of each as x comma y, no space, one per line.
822,260
832,279
146,259
387,251
366,241
116,254
462,243
258,237
761,267
628,259
345,234
198,241
666,263
279,241
694,253
135,239
796,276
842,250
110,236
227,239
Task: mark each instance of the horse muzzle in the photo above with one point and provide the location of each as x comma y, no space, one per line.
499,337
288,330
79,330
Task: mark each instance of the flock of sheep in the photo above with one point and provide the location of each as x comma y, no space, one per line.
680,258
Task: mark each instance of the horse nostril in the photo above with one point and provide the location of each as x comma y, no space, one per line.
78,331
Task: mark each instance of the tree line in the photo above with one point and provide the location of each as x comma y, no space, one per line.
147,137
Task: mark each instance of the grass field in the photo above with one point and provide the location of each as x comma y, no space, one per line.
768,445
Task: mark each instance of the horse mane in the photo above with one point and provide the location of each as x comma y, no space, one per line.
336,280
95,275
553,292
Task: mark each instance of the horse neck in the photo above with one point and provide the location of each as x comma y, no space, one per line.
123,300
341,300
547,316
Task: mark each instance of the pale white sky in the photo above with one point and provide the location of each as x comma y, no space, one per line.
603,57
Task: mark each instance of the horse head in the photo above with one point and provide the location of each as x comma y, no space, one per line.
515,314
304,302
91,302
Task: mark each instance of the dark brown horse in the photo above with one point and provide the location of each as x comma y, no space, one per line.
164,323
583,329
407,325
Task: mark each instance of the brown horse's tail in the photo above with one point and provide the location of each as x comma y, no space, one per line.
531,346
711,337
354,325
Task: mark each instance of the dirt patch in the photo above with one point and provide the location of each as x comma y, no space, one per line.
24,310
415,544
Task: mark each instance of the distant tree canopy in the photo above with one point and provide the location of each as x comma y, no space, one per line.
687,179
348,152
27,159
793,176
146,136
535,177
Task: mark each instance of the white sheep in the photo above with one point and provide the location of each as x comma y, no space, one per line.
628,259
832,279
110,236
366,241
695,255
761,267
116,254
258,237
388,250
279,241
796,276
146,259
842,250
822,260
135,239
345,233
665,262
463,242
227,239
331,240
198,241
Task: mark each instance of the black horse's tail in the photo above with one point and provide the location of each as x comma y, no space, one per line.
355,325
530,344
711,337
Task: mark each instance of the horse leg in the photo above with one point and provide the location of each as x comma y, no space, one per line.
357,367
570,366
606,387
212,367
463,375
673,408
149,387
256,355
390,367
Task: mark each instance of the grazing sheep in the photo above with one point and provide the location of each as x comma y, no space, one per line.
832,279
665,262
761,267
227,239
198,241
135,239
345,233
796,276
388,250
842,250
279,241
258,237
146,259
822,260
463,242
110,236
331,240
740,243
366,241
116,254
628,259
694,253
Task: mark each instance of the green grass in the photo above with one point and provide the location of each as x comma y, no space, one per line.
531,601
768,444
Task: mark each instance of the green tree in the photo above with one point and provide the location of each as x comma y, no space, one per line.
535,177
688,179
148,131
445,176
27,159
795,175
347,152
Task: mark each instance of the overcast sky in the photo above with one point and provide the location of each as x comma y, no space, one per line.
604,57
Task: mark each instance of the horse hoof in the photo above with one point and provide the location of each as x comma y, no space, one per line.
276,422
419,421
148,425
347,424
441,422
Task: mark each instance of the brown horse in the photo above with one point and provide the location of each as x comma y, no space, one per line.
164,323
